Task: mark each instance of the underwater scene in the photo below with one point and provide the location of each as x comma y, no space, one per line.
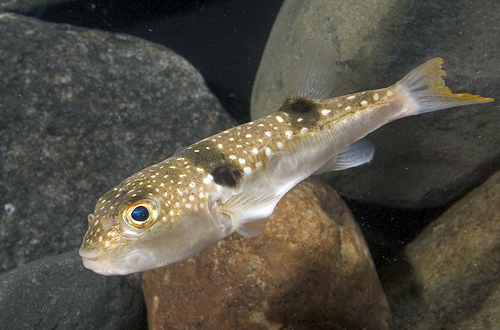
224,164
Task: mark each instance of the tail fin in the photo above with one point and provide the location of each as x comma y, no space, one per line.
428,92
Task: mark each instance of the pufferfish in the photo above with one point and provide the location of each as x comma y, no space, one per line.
233,180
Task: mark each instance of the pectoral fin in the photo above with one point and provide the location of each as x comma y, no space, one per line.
250,210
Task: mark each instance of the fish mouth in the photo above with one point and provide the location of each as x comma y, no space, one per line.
92,261
95,262
89,255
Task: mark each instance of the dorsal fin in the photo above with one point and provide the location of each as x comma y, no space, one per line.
314,75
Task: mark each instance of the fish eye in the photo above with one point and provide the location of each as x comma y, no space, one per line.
141,214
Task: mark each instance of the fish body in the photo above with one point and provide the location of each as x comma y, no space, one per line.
233,180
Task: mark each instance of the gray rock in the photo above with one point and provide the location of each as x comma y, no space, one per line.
81,110
420,162
449,276
58,293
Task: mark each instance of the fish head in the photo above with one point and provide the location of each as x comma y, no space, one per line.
115,242
135,228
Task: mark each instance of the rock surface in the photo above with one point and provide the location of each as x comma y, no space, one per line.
449,277
81,111
420,162
58,293
309,269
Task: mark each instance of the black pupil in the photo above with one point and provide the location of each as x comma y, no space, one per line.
140,213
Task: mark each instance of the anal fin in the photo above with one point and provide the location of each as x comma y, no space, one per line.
358,153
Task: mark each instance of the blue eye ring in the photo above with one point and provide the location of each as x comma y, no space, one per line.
141,214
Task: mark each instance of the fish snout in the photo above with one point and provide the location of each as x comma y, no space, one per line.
92,261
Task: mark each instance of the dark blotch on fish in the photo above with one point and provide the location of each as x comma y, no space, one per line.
298,106
203,154
227,175
303,108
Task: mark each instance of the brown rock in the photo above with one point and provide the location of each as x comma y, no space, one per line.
309,269
450,275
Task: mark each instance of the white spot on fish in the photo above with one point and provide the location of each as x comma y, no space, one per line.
364,103
280,145
390,93
325,112
351,97
258,165
268,152
255,151
348,108
375,97
242,161
278,118
247,170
